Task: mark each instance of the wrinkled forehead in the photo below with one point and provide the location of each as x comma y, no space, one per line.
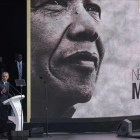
38,2
5,75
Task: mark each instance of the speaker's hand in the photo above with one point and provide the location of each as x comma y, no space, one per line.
4,90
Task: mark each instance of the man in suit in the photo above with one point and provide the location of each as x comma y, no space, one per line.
4,95
18,71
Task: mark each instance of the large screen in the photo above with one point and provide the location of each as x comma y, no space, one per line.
85,58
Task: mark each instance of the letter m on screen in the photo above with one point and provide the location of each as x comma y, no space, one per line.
135,91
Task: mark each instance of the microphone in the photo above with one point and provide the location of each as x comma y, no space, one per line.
15,89
12,91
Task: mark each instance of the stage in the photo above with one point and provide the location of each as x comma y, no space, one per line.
101,136
107,136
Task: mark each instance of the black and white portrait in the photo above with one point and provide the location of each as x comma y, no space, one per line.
80,54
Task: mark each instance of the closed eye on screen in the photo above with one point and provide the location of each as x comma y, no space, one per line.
51,2
89,7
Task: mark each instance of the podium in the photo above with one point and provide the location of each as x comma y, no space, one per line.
16,106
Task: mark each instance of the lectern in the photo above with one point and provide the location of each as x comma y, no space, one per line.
16,106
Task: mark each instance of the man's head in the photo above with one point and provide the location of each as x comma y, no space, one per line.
66,46
0,58
19,57
5,76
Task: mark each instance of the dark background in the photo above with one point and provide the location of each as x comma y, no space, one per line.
12,30
13,35
13,39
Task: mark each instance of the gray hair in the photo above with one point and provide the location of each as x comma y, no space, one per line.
5,73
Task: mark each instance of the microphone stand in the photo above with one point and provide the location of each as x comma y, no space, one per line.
15,89
46,108
12,91
21,113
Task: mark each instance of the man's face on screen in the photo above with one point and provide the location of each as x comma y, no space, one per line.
66,46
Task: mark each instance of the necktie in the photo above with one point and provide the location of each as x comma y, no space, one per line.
20,71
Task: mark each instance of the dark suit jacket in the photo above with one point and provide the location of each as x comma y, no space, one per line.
3,97
14,72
